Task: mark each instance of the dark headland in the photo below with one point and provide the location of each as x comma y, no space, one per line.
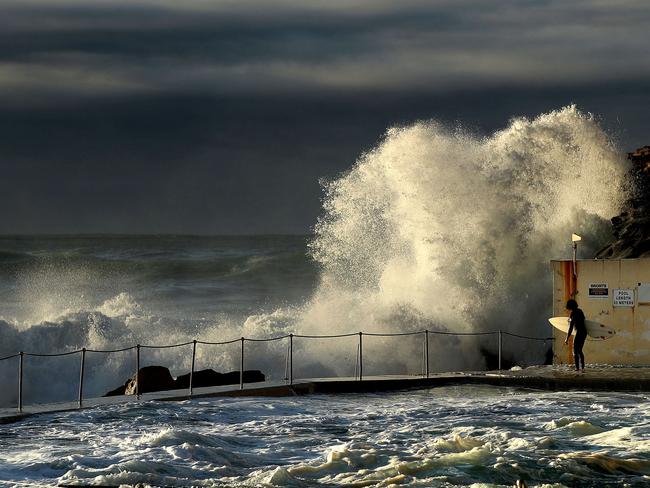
631,229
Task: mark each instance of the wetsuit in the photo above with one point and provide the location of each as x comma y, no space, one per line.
577,321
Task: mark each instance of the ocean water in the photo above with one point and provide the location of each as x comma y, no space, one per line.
193,278
107,292
435,228
444,437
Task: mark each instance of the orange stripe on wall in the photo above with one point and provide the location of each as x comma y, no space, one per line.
570,281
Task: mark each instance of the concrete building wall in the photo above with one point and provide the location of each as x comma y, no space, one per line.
626,310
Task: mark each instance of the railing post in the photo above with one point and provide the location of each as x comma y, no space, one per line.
241,366
192,368
286,365
137,371
360,356
426,350
500,346
291,359
81,376
20,382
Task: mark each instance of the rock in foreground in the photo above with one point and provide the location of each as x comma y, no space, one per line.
150,378
158,378
209,377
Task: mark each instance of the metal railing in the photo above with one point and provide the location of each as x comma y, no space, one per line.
289,364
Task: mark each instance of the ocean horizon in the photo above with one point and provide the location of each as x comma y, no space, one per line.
405,242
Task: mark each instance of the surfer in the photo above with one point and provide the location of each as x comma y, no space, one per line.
577,321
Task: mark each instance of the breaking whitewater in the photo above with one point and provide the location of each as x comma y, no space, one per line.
434,228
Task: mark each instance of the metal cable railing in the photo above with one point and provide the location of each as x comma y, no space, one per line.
110,351
68,353
393,334
439,332
218,343
144,346
325,336
289,376
528,337
9,357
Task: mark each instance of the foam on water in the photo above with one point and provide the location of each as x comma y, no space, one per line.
446,437
436,227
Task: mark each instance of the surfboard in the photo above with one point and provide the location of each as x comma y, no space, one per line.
594,329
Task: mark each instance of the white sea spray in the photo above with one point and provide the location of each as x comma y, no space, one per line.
438,227
434,228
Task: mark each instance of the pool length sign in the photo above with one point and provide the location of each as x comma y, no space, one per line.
623,298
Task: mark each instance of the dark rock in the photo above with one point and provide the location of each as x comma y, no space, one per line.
631,229
149,378
119,390
209,377
158,378
250,376
205,377
641,159
492,360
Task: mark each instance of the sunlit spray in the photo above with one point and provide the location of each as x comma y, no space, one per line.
439,228
436,228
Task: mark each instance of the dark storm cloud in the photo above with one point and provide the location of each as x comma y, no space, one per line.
265,47
197,116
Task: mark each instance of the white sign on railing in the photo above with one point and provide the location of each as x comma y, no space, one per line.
623,297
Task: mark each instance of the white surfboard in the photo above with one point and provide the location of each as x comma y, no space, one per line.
594,329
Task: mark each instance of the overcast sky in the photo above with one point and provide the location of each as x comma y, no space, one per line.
221,116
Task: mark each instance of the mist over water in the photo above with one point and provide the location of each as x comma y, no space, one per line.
436,227
107,292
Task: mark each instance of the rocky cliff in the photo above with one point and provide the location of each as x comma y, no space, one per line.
632,227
